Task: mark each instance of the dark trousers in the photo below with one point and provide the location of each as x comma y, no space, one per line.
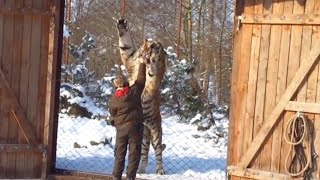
128,134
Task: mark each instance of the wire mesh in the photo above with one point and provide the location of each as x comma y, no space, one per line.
195,149
188,154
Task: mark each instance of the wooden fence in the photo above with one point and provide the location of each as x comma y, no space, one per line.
29,31
275,75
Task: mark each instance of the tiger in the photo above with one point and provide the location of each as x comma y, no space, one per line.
153,54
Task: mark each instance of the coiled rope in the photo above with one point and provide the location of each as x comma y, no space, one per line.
297,135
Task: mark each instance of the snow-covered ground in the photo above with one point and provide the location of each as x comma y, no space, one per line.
189,154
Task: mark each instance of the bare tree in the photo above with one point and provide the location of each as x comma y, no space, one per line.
206,34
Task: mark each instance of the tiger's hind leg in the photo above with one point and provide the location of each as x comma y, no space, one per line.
156,135
145,150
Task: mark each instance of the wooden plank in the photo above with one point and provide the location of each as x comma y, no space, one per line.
257,174
241,80
14,84
274,116
293,65
1,33
19,21
311,89
262,76
6,70
303,107
242,84
3,122
45,26
308,91
248,120
78,177
305,48
45,23
281,19
283,76
261,80
66,177
271,90
53,83
67,174
22,148
250,57
32,166
234,110
24,79
50,97
233,120
316,38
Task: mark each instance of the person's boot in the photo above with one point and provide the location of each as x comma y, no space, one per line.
130,178
116,178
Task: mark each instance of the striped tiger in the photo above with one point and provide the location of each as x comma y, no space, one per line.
154,56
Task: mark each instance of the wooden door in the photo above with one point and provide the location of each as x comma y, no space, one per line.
275,75
29,31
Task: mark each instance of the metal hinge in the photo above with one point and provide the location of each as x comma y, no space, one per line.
239,23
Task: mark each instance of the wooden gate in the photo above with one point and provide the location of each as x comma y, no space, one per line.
29,31
275,75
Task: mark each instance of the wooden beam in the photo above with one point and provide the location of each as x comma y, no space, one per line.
71,174
22,148
17,111
53,83
289,19
77,177
257,174
282,103
303,107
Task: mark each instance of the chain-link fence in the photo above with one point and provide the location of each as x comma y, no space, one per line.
195,127
88,145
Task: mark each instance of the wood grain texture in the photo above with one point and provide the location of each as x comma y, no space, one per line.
274,116
315,38
283,74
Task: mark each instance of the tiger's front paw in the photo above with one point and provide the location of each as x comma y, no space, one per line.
122,26
160,171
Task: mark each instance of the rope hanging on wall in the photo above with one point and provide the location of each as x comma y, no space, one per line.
297,134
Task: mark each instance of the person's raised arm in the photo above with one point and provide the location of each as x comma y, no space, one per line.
141,79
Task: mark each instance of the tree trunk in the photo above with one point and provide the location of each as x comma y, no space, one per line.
200,34
188,42
209,68
219,65
189,23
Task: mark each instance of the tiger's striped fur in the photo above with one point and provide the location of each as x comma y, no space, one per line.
154,56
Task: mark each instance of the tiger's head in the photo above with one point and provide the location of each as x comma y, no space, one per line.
155,60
